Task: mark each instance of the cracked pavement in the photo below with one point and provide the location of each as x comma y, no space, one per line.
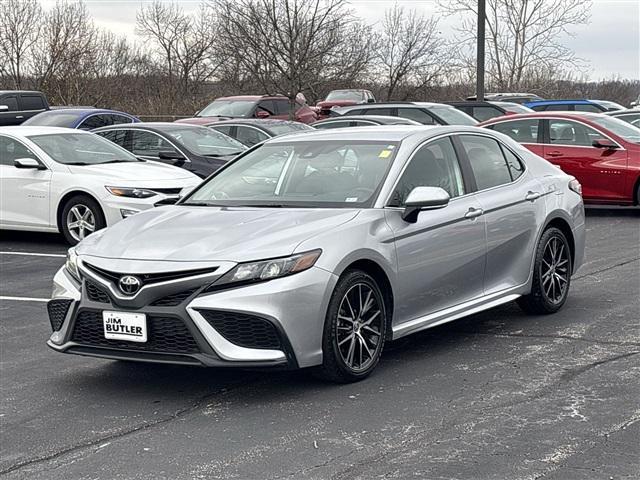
493,396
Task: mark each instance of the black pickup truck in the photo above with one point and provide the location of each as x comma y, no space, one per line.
18,105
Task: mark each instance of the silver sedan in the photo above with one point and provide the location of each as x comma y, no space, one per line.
313,250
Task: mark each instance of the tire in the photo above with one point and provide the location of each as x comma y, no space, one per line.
551,274
86,213
352,348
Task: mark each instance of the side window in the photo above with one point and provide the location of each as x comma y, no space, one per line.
416,114
11,149
32,102
116,136
94,121
226,129
267,106
149,144
282,107
250,136
558,108
360,123
567,132
433,165
375,111
339,124
11,102
586,108
522,131
487,161
539,108
485,113
516,168
115,119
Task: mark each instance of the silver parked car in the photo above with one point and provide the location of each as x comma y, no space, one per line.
312,250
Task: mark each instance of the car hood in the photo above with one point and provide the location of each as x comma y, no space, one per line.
197,234
133,171
335,103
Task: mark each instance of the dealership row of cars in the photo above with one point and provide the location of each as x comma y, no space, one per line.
307,245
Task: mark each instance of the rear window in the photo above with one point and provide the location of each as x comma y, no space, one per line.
53,119
453,116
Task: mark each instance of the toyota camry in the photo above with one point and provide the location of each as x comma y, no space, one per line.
313,250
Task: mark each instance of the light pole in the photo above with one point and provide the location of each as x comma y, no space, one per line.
480,52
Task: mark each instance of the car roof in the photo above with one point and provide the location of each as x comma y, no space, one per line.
589,116
384,119
266,122
251,97
27,130
2,92
378,133
369,106
561,102
83,111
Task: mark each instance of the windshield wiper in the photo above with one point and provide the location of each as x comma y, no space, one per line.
202,204
261,205
115,161
78,163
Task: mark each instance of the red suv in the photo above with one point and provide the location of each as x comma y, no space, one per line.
252,106
603,153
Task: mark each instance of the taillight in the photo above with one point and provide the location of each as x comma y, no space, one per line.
575,186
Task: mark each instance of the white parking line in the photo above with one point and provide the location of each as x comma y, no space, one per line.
31,254
24,299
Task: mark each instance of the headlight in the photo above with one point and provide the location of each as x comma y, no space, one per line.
268,269
575,186
71,264
130,192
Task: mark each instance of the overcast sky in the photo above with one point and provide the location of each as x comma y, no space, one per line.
610,43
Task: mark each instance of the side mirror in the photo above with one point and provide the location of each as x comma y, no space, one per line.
169,155
28,163
423,198
605,143
4,108
262,114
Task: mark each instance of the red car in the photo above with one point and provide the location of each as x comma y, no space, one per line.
602,152
251,106
343,98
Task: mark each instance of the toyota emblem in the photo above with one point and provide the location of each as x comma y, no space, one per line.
129,284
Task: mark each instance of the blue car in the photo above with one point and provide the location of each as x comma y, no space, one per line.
594,106
80,118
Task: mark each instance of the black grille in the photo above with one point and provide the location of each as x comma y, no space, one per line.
244,330
148,278
167,191
96,293
164,334
57,310
174,299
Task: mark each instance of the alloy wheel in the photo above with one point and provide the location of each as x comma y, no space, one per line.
80,221
359,327
555,270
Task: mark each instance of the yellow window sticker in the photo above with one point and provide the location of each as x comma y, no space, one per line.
385,154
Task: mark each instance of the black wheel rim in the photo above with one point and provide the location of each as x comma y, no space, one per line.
359,327
554,271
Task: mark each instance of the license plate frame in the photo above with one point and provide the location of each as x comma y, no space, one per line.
125,326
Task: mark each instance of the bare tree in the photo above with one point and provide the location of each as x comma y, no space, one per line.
410,50
523,36
20,22
292,45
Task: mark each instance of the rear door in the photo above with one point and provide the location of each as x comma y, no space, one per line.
569,145
513,210
24,192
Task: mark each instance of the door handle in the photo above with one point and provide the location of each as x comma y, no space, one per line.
531,196
19,116
473,213
554,154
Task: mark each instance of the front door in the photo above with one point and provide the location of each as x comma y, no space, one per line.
441,256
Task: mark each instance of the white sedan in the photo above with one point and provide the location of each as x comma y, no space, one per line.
73,182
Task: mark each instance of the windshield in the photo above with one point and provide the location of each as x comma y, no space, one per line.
453,116
345,95
282,128
618,127
81,149
330,174
204,141
53,119
228,108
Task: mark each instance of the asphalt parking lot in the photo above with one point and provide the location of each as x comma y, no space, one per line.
499,395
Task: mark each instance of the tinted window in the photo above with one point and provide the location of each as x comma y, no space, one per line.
11,150
433,165
94,121
516,168
416,114
115,119
522,131
487,161
267,106
557,108
375,111
32,102
116,136
250,136
149,144
567,132
485,113
226,129
579,107
336,124
453,116
11,102
281,107
631,117
362,123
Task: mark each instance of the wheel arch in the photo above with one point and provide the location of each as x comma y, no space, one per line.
563,225
70,194
378,273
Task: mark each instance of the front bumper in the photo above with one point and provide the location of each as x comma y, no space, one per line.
293,308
